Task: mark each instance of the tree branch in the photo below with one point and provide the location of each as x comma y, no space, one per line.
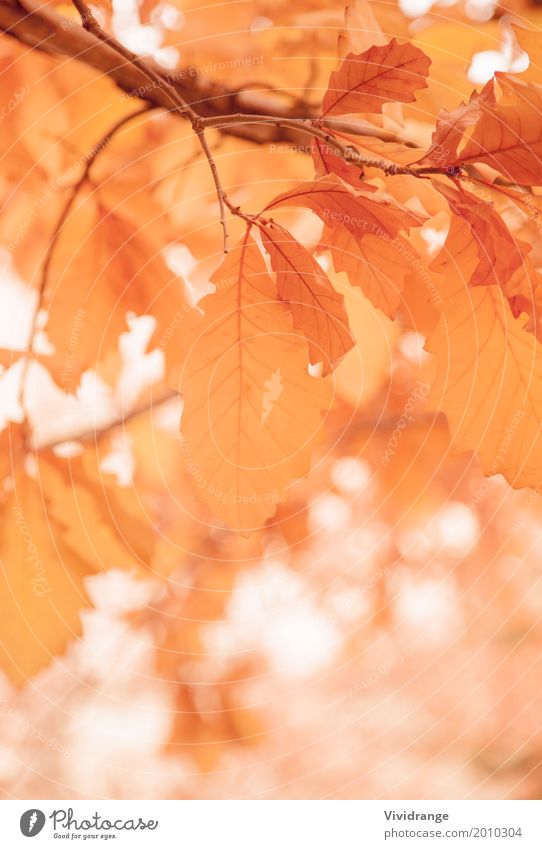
33,24
315,127
178,103
89,160
119,421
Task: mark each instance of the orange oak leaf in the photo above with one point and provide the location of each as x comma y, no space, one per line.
377,266
384,73
465,253
104,522
500,254
317,308
339,206
43,588
328,161
362,29
251,410
489,381
508,135
60,524
452,125
124,272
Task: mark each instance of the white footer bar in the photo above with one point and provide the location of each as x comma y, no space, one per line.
273,824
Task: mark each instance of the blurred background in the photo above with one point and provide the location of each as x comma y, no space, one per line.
381,636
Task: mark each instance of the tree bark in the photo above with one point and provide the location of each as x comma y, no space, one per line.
34,25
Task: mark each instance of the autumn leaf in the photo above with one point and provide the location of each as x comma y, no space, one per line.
489,382
362,30
317,309
465,254
508,135
125,273
339,206
361,231
60,525
377,266
104,522
251,410
43,584
327,161
500,255
451,126
364,82
488,371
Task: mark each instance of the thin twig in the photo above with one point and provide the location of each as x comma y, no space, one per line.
89,162
37,25
315,128
180,105
90,158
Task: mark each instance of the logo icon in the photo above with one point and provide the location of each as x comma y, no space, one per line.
32,822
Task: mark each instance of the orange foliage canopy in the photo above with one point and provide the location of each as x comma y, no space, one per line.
383,209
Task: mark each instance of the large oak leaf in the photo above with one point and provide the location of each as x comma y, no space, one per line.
107,264
251,409
385,73
489,381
